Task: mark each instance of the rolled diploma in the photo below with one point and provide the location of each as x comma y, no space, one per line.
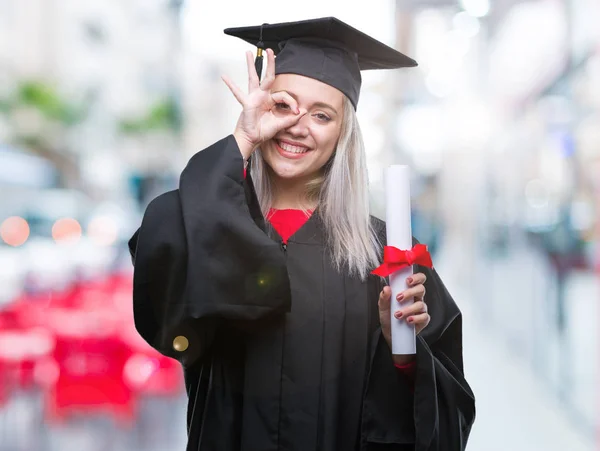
399,234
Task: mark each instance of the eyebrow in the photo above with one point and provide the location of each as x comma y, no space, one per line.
316,104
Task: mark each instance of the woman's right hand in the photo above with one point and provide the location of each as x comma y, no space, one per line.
262,113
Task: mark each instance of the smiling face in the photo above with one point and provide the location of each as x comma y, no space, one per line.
300,151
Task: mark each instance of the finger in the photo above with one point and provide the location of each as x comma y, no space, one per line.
416,279
384,297
270,71
420,321
253,80
237,92
414,292
414,309
284,97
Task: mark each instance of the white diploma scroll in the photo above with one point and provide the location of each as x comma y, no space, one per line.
399,234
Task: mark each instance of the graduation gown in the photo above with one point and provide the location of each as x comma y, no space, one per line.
282,351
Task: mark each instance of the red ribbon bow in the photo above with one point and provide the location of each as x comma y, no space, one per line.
395,259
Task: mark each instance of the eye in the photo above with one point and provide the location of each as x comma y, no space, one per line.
282,106
322,117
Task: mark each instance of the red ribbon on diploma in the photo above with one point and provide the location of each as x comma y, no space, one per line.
395,259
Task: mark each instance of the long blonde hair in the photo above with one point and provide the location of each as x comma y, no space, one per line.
342,192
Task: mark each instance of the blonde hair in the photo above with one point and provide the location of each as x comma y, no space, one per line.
342,192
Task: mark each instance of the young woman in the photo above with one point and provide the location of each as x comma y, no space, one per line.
256,273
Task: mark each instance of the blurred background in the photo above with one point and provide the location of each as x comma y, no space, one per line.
103,102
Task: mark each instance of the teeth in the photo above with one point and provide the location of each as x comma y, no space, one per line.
293,149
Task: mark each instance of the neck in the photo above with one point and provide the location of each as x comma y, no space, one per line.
291,194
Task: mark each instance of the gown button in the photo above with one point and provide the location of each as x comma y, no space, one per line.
180,343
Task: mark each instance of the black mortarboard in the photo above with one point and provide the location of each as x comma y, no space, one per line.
325,49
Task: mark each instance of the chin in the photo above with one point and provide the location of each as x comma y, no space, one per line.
284,171
282,167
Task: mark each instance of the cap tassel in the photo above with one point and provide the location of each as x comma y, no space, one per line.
258,62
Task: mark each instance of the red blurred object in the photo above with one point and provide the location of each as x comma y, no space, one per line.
80,345
90,379
147,371
154,374
4,394
167,380
20,349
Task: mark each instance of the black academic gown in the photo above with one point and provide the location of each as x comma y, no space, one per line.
285,353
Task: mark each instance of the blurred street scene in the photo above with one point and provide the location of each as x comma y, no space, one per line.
103,102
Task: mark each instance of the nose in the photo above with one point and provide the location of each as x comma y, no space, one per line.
300,128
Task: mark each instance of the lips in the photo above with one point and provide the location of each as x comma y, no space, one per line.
291,150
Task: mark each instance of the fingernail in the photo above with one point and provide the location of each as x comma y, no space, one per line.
409,280
410,319
398,315
400,296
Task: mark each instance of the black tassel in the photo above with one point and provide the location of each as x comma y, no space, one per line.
258,62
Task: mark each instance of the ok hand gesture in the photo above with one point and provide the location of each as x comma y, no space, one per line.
260,119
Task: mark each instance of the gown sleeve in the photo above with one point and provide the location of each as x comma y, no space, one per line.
202,259
440,410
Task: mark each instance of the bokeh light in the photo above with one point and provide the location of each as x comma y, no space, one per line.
14,231
66,230
103,231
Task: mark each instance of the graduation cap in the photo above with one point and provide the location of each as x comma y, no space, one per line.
325,49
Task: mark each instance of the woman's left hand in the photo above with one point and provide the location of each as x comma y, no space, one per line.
415,313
